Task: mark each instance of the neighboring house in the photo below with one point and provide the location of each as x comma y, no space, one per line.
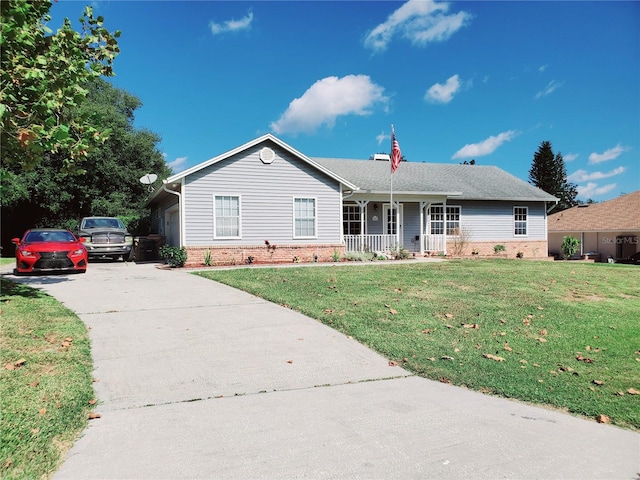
606,230
267,202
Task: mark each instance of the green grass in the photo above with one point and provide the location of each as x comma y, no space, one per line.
7,260
45,381
569,333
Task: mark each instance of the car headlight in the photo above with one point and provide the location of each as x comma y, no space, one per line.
27,253
79,251
128,239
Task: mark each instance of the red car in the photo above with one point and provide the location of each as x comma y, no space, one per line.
50,250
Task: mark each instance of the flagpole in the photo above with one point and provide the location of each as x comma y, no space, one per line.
391,174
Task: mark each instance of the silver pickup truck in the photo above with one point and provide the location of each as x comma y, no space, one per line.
106,237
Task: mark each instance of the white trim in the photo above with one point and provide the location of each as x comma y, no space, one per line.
315,216
215,229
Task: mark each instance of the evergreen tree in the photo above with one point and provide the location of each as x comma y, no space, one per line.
549,173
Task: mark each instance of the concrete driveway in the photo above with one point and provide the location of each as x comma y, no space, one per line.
199,380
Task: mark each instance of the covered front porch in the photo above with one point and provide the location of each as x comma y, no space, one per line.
418,224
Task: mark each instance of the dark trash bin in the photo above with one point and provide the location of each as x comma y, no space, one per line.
146,249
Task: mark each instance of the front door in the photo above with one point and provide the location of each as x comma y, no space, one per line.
390,222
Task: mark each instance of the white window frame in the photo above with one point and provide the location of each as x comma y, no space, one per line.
215,218
445,219
517,219
315,216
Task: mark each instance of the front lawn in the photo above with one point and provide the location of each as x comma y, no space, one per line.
561,334
46,388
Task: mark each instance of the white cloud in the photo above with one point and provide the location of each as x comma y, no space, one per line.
177,164
232,25
439,93
570,157
584,176
551,87
420,21
591,189
381,137
542,68
328,99
607,155
486,146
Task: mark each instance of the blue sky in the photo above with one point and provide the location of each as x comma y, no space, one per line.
458,80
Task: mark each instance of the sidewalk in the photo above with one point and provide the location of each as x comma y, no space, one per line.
199,380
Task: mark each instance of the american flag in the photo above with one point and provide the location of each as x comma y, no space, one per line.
396,154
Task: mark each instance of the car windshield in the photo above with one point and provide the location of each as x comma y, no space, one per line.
49,236
102,222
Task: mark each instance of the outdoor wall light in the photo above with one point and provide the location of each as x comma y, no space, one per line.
375,207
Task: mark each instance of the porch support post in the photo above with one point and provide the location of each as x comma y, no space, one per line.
422,225
444,230
362,204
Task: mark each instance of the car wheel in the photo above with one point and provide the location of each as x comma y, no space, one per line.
115,258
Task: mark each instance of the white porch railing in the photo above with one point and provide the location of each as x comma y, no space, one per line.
369,243
386,243
433,243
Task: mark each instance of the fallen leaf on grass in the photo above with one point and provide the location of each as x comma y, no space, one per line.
526,321
507,347
393,363
598,382
471,325
93,416
543,332
446,357
43,412
633,391
448,315
15,365
328,310
34,384
580,358
427,330
445,380
493,357
93,401
603,419
449,326
541,339
392,311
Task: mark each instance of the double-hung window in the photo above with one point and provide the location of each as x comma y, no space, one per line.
438,220
351,220
226,219
304,218
520,216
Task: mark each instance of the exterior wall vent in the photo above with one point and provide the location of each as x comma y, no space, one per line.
380,156
267,155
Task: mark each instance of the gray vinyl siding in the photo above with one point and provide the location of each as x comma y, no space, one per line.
266,194
158,214
493,221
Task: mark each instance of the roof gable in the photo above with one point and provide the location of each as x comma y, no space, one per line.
263,139
619,214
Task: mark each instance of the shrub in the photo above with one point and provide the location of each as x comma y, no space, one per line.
498,248
336,256
175,256
359,256
207,258
569,246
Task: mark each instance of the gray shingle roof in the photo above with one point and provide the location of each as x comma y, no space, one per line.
473,182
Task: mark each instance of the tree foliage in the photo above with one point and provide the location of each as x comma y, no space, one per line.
43,81
110,186
549,173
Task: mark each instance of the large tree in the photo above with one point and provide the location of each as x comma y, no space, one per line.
43,78
53,197
549,173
